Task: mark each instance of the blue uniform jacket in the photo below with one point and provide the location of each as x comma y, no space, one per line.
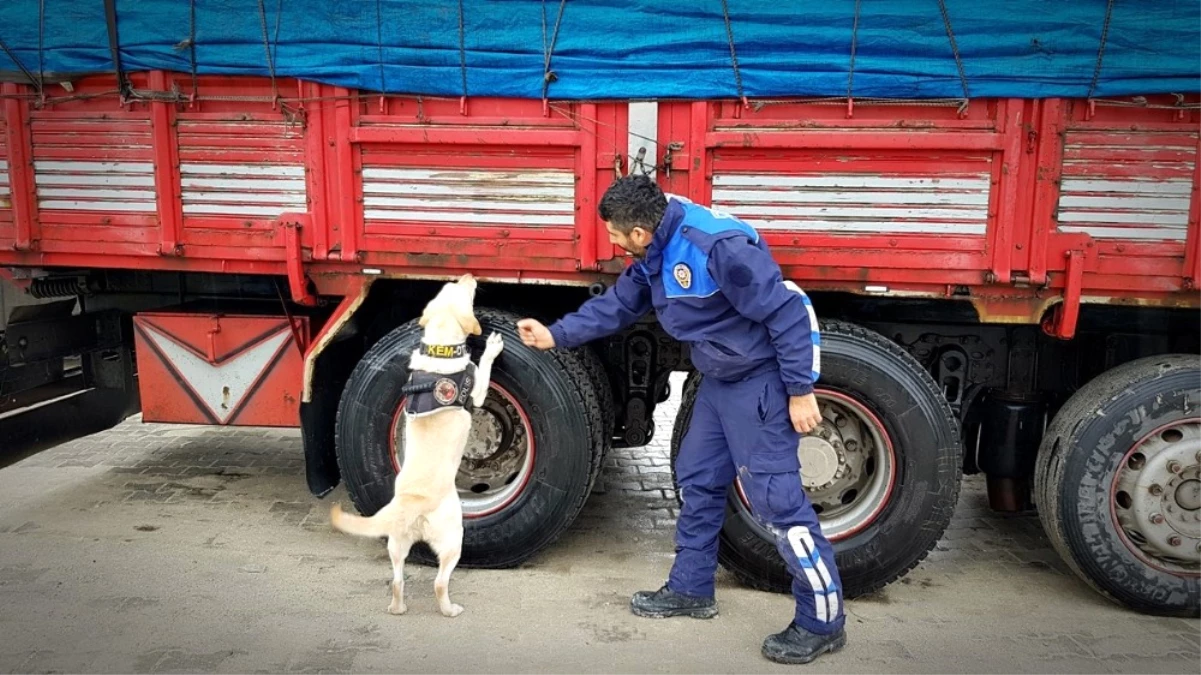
713,284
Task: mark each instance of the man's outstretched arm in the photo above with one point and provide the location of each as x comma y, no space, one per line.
624,303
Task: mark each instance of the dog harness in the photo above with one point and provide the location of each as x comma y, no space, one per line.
429,393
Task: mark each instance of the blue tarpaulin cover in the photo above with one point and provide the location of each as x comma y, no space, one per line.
624,49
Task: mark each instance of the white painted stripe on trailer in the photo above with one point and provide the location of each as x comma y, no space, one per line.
972,182
1139,233
479,204
58,205
470,217
857,204
507,192
241,190
291,197
95,186
96,179
240,210
99,194
1165,219
4,182
442,176
243,184
269,170
1179,187
93,167
800,196
745,211
869,227
1127,201
470,197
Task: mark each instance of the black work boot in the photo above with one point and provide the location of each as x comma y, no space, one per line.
665,602
795,645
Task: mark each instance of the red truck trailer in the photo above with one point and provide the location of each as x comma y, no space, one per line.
1006,286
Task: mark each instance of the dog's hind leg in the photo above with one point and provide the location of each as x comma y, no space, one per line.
398,550
448,546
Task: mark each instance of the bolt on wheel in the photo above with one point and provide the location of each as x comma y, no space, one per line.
1157,498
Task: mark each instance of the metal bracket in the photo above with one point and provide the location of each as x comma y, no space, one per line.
1066,317
298,283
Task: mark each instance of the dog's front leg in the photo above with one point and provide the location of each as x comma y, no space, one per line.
483,374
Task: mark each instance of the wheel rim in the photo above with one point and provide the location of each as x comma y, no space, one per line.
1155,499
498,460
848,466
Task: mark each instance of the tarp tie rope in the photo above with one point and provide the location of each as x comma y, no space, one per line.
725,10
267,45
114,44
549,75
1092,87
851,72
462,60
946,19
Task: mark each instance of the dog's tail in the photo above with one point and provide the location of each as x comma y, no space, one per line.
374,526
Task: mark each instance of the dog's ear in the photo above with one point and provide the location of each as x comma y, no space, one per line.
468,322
425,318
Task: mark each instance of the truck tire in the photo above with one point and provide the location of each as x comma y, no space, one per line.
528,467
883,471
1116,483
601,408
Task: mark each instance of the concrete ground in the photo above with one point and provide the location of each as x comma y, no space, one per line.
155,548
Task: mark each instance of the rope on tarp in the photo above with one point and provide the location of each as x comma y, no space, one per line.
34,81
462,59
725,10
946,19
114,45
1092,87
851,70
548,50
279,10
379,40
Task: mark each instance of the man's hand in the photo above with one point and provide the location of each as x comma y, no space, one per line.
534,334
804,413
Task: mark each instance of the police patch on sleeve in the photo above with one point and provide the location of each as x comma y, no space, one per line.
683,275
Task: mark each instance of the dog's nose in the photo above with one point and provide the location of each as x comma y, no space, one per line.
467,279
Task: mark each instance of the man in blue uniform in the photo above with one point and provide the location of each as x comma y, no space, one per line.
714,285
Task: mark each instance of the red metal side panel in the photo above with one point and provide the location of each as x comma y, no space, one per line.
893,195
94,170
512,187
8,232
1128,182
218,369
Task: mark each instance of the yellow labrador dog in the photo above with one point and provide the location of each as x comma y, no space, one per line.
443,387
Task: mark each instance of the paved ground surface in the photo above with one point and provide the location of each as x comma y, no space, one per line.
168,549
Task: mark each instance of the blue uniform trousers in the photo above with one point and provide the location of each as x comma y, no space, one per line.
743,429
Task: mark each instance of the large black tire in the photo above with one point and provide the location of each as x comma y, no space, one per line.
876,373
1081,453
602,411
553,389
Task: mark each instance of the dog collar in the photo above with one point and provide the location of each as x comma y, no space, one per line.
444,351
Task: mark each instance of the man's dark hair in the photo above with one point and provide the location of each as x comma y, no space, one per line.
633,201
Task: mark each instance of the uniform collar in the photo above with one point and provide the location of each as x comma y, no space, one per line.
672,218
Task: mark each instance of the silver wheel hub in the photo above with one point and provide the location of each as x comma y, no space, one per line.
846,465
497,461
1157,497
